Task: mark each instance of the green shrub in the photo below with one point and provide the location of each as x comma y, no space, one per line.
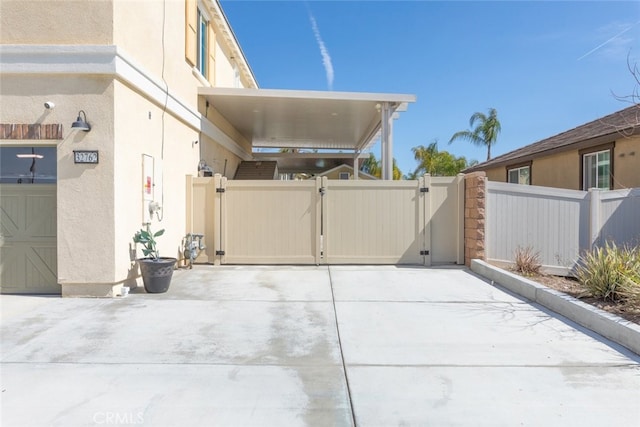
527,261
612,273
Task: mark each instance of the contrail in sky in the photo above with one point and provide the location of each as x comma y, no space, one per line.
608,41
326,58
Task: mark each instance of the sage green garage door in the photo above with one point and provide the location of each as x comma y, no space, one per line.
28,255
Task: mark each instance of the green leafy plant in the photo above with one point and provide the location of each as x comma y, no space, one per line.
527,261
611,272
148,241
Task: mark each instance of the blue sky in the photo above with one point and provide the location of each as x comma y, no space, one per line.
545,66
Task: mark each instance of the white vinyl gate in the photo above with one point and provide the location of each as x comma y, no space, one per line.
323,221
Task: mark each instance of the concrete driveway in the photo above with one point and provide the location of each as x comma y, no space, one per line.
316,346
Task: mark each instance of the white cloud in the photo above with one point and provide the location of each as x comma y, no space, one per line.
617,44
326,58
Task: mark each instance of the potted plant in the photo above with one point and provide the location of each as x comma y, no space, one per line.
156,271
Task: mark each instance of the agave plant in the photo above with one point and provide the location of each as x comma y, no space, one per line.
611,272
148,241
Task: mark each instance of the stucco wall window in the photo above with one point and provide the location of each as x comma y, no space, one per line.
203,49
596,170
519,175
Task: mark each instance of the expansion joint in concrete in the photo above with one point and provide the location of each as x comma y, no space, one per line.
344,366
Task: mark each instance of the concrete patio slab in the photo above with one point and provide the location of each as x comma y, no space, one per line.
494,334
390,283
246,346
77,394
251,283
494,396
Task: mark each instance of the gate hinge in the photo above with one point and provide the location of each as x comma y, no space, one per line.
220,190
220,253
322,190
424,190
424,252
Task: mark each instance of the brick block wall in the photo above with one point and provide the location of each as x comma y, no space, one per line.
474,204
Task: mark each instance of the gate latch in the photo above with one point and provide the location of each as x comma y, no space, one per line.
220,253
424,190
424,252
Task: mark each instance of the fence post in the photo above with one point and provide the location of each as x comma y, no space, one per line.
189,199
474,217
594,217
425,182
217,216
319,227
460,224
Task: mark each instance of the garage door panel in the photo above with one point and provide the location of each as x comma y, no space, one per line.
11,213
28,262
12,262
39,219
40,266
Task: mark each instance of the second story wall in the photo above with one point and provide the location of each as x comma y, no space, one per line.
56,22
185,43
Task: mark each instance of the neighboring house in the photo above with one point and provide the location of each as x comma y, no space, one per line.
345,172
604,153
154,91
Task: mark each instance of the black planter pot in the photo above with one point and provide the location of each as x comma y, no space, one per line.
156,274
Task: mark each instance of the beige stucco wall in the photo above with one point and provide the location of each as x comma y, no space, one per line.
84,192
139,130
496,174
561,170
145,44
626,163
225,76
56,22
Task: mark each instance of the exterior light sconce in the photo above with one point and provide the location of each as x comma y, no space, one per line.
81,124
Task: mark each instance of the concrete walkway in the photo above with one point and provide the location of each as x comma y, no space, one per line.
316,346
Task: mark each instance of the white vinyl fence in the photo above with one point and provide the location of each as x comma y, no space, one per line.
559,224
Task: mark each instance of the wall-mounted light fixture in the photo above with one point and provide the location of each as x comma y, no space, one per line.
81,124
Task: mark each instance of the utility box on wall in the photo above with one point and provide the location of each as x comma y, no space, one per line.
148,186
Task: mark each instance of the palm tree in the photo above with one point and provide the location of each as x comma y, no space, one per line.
372,166
485,133
436,163
426,157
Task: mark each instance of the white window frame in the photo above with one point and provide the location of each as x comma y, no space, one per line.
202,41
519,170
587,182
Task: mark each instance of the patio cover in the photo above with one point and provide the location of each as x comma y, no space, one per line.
339,122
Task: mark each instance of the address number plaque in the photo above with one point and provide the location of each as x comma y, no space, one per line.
84,156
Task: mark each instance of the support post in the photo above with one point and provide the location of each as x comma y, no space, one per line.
356,165
386,140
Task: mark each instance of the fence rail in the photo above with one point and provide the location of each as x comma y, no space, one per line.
559,224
